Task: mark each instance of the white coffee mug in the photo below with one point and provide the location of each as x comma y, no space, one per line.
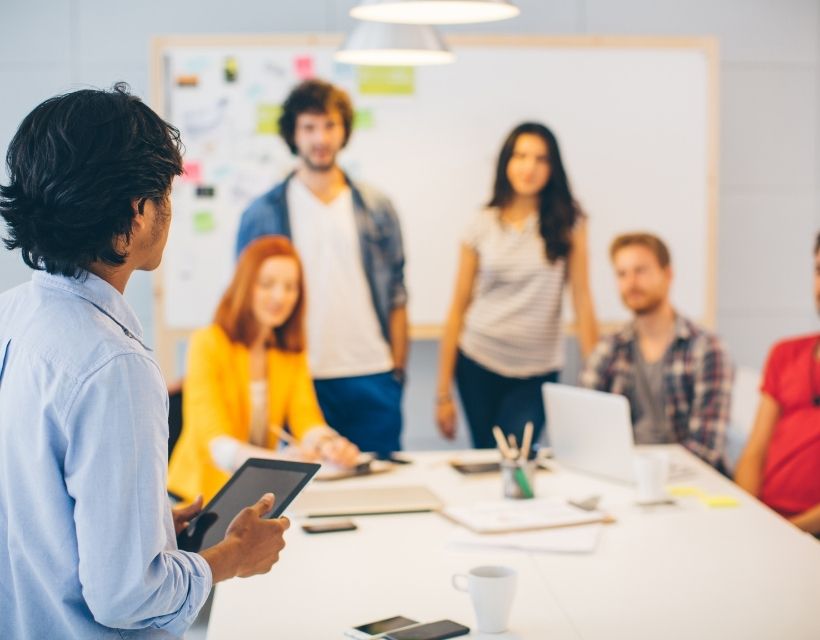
491,590
651,473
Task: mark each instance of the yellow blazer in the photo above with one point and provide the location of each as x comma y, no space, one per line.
216,402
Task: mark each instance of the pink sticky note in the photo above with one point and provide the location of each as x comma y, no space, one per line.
303,66
192,172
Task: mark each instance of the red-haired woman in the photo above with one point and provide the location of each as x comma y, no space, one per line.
247,377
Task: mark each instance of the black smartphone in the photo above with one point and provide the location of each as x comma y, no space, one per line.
329,527
393,457
470,468
378,628
440,630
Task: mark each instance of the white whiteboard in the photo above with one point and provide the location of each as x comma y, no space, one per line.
635,120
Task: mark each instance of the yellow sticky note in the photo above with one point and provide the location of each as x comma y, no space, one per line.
681,491
720,501
386,81
267,118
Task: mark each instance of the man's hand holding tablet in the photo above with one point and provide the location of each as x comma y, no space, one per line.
252,543
237,540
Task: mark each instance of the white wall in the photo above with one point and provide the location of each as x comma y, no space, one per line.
770,112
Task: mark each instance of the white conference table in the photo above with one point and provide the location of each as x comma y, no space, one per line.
677,571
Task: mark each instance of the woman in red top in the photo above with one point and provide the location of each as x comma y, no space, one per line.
781,461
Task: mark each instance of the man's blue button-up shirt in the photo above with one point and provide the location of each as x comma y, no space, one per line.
87,545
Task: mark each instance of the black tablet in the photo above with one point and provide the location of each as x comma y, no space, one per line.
249,483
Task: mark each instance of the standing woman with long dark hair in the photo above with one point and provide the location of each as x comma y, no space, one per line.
503,337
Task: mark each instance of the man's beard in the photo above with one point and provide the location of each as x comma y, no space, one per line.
319,168
647,308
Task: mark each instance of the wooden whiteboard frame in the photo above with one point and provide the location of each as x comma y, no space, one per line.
168,338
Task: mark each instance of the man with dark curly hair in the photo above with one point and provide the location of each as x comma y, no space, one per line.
90,546
349,238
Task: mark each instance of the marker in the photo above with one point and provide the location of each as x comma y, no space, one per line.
521,478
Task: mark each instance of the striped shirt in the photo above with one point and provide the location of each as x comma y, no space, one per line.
513,324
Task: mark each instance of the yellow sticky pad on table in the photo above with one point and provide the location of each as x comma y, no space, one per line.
720,501
681,491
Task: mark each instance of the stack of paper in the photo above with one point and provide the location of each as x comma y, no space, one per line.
521,515
562,540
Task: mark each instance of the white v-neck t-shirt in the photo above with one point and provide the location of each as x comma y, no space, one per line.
343,332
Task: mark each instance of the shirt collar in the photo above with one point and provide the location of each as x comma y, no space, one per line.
530,222
99,293
683,331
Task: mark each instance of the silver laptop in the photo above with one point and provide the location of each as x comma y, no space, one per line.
369,501
590,431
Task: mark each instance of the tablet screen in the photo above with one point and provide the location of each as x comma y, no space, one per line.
250,482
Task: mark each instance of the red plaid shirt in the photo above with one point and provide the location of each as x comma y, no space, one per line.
697,384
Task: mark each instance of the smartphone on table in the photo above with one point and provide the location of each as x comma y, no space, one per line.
377,629
439,630
329,527
472,468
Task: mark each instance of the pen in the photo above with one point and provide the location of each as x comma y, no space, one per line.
526,442
502,444
513,446
284,435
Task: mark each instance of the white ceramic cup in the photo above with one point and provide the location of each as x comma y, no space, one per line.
651,474
491,589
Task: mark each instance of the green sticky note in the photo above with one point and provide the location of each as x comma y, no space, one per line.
267,118
386,81
363,119
204,222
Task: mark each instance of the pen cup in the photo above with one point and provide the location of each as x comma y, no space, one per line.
518,478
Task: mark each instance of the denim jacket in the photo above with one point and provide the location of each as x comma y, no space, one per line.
379,237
